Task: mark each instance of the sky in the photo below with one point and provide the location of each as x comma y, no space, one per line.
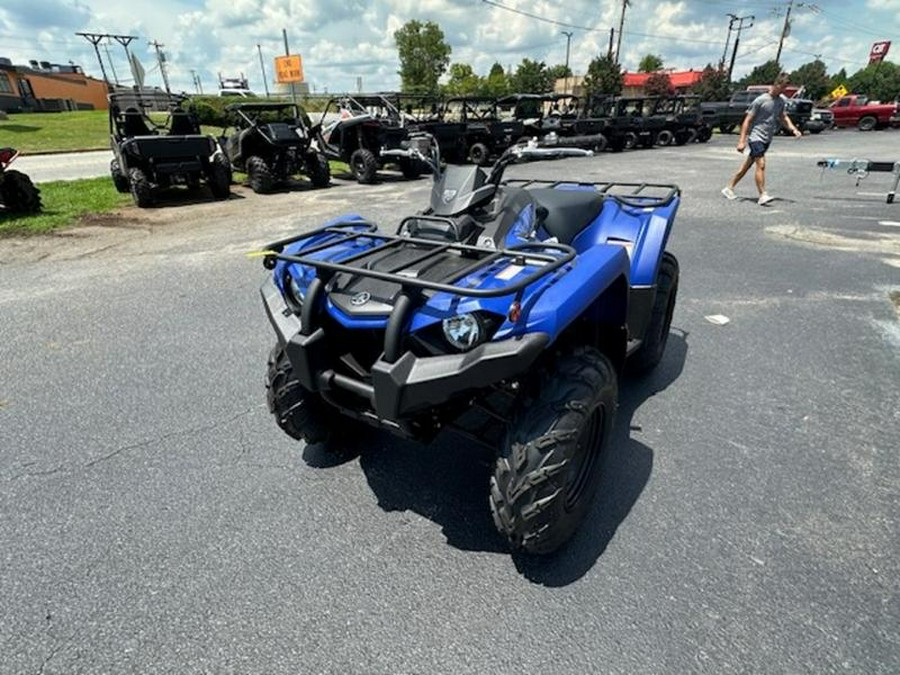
342,41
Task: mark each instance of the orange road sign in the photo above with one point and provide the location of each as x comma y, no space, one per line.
288,69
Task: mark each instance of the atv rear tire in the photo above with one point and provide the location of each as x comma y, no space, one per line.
301,414
141,189
219,178
120,180
600,144
704,133
479,154
552,460
18,194
665,137
650,353
258,175
364,165
318,170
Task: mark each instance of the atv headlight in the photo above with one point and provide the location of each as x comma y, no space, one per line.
295,294
463,331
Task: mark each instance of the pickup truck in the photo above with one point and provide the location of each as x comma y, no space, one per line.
728,115
855,110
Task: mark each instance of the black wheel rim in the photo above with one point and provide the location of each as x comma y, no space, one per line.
586,456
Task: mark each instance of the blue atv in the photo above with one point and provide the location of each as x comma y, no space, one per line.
506,311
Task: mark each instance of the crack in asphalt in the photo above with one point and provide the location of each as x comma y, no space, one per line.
132,446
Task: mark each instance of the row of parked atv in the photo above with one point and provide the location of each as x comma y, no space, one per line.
271,142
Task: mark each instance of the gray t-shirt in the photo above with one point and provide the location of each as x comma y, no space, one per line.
766,110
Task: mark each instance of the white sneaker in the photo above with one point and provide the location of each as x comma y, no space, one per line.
728,193
764,199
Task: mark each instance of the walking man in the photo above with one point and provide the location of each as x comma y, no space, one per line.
763,120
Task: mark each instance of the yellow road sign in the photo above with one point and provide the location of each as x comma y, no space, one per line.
288,69
839,91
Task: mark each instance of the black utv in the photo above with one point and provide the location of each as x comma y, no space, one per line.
272,142
154,152
368,134
683,121
425,113
487,132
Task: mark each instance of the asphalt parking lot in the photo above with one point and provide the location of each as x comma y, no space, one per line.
154,519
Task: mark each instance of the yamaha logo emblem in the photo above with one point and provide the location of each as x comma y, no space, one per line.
360,298
448,196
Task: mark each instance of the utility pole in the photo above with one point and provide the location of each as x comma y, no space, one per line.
727,39
287,52
612,38
625,3
161,59
785,31
568,35
737,40
262,67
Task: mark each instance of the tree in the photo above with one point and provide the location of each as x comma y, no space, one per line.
603,77
496,83
463,80
813,77
424,56
650,64
764,74
878,81
532,77
713,84
659,84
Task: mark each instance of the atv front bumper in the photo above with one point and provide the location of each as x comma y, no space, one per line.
410,384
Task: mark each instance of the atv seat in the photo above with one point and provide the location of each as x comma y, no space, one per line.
134,123
569,211
182,124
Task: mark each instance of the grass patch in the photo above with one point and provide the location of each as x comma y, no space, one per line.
65,203
32,133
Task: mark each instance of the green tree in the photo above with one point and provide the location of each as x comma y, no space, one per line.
878,81
659,84
603,76
650,64
463,80
764,74
424,56
496,83
532,77
713,84
813,77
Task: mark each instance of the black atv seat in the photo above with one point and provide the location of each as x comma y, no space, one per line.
134,123
182,124
570,211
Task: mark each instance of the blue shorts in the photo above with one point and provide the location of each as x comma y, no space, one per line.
758,148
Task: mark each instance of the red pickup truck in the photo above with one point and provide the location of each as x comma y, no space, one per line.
856,110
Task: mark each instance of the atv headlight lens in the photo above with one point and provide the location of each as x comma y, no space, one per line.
294,291
463,331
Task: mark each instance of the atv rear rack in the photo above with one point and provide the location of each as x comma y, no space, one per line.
549,257
638,195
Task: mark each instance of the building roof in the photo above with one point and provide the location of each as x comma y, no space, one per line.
684,78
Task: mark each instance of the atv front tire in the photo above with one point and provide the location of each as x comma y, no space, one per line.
650,353
301,414
219,178
18,194
318,170
665,137
258,175
141,189
363,165
479,155
120,180
550,466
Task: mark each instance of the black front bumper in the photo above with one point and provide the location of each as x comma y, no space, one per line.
409,385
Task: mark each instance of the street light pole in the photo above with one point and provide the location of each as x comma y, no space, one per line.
568,35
